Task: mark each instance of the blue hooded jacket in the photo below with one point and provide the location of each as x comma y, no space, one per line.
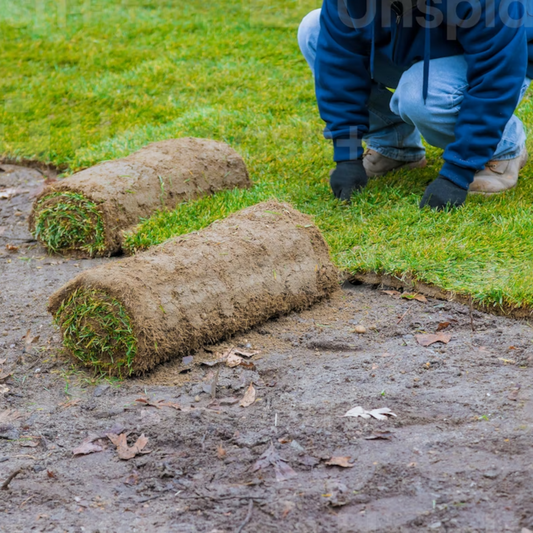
495,37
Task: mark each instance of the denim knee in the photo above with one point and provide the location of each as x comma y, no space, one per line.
308,36
408,102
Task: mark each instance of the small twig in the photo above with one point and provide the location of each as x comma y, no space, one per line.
11,477
248,517
403,316
472,313
214,385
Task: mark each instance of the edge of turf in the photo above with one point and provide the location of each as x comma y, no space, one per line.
410,283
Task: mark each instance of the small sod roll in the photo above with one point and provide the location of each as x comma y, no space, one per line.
90,211
127,316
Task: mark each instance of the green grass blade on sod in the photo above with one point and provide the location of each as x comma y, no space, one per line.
89,81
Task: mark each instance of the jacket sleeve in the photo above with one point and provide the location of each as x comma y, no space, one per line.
495,50
342,81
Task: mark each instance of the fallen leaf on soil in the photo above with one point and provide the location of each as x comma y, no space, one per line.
379,414
11,248
29,443
233,360
340,461
513,395
271,457
443,325
4,389
132,479
284,440
392,293
380,435
430,338
87,446
221,452
6,194
245,353
174,405
29,340
417,297
128,452
70,403
249,396
9,415
5,375
148,402
2,361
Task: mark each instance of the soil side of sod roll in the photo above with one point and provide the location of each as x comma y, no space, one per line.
127,316
91,210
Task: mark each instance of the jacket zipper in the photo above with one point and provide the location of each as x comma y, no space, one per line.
399,15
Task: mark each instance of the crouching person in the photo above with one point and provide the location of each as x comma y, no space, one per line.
458,70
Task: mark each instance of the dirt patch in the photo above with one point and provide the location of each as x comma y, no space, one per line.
91,210
458,459
261,262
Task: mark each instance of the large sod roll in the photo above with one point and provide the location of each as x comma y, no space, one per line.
91,210
127,316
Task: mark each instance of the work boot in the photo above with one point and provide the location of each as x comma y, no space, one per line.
498,176
378,165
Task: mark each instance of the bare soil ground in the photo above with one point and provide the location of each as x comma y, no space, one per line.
458,456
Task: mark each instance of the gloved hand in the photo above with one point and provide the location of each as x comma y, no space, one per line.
347,178
443,192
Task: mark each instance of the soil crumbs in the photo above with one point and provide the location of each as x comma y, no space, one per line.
458,456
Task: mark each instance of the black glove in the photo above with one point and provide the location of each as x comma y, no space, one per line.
441,193
347,178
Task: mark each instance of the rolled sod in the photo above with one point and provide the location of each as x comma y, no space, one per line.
91,210
127,316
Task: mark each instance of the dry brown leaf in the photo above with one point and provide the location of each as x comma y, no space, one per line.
9,415
128,452
221,452
148,402
379,414
245,353
392,293
233,360
513,395
380,435
344,462
443,325
174,405
87,446
271,457
29,340
249,396
7,194
5,375
30,443
11,248
71,403
431,338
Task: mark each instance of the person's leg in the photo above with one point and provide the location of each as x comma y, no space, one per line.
388,134
437,117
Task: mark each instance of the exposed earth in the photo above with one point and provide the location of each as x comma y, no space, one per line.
458,456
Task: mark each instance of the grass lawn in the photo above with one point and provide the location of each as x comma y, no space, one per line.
84,81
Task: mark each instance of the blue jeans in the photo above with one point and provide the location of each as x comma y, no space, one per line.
398,119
